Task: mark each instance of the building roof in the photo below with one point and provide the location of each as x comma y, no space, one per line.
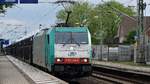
129,24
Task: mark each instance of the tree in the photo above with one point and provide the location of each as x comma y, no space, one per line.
130,38
111,13
102,19
4,6
80,13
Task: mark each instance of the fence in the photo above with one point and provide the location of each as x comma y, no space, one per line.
120,53
147,53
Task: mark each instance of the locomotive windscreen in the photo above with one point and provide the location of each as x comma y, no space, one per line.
71,38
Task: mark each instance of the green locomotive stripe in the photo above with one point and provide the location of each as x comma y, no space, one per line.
50,46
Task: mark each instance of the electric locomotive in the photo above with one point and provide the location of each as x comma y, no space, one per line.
72,50
61,50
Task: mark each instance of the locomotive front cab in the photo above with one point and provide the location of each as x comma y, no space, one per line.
72,51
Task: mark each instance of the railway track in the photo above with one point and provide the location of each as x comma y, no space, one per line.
112,78
119,77
103,75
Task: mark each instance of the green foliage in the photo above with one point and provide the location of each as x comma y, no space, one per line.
79,13
121,8
4,6
95,41
102,20
130,38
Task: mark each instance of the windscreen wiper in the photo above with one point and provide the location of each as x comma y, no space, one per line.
66,41
76,42
72,40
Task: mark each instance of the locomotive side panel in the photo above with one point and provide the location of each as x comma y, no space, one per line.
50,49
39,49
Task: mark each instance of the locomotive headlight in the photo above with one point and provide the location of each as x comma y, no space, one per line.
58,60
85,60
71,48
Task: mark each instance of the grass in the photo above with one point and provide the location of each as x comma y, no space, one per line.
131,63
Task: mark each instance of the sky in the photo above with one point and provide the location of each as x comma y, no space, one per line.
27,17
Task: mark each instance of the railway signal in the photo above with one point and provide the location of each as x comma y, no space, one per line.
140,33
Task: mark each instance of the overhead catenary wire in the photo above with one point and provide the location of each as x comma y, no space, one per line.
41,18
128,2
118,11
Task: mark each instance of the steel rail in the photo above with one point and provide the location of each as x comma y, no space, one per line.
119,76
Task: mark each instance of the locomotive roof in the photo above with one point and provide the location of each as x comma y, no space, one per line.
59,29
30,34
71,29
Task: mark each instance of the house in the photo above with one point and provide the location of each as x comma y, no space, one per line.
129,24
147,35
